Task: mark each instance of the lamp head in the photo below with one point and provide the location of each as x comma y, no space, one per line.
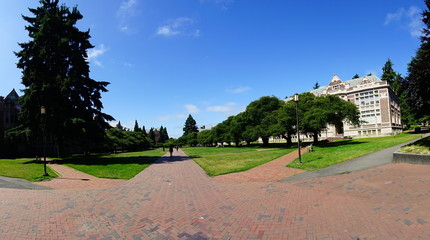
296,97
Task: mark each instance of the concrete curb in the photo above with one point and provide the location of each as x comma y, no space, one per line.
412,158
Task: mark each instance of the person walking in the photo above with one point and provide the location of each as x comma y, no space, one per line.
171,151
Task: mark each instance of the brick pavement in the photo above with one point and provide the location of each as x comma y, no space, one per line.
270,172
174,199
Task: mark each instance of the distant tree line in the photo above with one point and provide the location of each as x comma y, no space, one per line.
270,116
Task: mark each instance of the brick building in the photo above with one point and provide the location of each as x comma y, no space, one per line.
376,100
9,109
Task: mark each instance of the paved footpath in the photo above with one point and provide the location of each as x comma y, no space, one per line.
174,199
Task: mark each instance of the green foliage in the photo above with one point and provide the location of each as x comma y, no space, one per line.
269,116
190,139
136,127
205,138
164,136
151,135
388,73
118,140
259,116
190,126
55,73
355,76
417,81
316,112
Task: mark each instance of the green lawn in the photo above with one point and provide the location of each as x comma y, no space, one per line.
327,154
223,160
115,166
28,169
419,147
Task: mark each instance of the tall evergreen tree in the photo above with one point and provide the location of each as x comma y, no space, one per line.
356,76
119,126
388,73
55,73
144,131
417,82
162,136
151,134
165,134
136,127
190,126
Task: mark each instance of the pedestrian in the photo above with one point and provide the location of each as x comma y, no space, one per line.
171,151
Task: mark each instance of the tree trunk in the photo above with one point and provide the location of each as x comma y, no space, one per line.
287,138
248,143
265,141
315,138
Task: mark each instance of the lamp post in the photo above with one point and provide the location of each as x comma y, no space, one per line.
43,113
296,99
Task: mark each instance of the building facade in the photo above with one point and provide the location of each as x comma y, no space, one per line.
9,110
378,105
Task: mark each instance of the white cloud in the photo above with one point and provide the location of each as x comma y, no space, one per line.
127,64
180,26
409,19
228,108
171,117
127,10
223,4
239,90
190,108
95,53
167,31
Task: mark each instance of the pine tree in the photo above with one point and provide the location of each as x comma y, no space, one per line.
356,76
417,82
144,131
162,139
136,127
151,134
55,73
190,126
388,73
119,126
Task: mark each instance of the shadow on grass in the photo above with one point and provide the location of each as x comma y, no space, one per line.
338,143
425,142
104,160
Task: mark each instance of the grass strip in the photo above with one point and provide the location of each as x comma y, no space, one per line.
28,169
421,146
218,161
327,154
114,166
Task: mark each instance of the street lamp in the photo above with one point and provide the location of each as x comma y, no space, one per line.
296,99
43,113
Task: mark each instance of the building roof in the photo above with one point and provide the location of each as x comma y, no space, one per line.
12,96
349,84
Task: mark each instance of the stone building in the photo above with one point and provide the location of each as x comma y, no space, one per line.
376,100
9,109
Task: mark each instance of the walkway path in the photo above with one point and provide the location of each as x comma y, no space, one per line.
372,160
174,199
270,172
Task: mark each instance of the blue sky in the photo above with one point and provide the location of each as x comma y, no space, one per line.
166,59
